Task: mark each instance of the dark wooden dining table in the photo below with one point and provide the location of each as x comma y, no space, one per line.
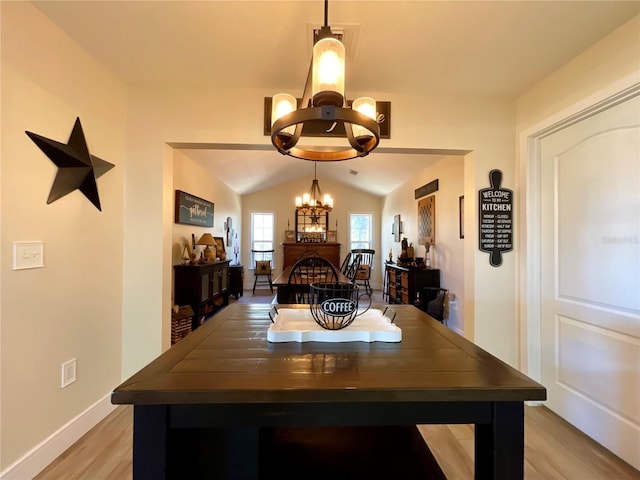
281,282
221,391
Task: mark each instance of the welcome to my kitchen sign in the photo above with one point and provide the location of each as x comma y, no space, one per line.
496,219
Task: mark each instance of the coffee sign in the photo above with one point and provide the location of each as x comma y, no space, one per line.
496,219
339,307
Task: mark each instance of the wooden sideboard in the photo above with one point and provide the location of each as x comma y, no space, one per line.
404,284
295,250
204,287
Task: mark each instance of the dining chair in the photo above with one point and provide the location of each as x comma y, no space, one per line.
263,268
350,265
363,275
434,301
306,271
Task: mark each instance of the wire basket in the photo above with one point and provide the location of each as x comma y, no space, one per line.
334,305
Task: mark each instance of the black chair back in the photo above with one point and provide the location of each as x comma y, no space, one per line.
350,265
306,271
433,301
363,274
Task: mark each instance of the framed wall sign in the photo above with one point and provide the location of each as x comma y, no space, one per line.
430,187
192,210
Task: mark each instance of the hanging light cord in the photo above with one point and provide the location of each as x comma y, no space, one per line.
326,13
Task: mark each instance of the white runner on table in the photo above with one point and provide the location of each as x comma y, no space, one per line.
298,325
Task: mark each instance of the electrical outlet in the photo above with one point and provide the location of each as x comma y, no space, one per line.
68,373
453,301
28,255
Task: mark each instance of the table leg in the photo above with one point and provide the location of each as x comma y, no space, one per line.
499,446
150,441
161,453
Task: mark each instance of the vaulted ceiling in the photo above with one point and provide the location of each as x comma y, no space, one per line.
453,47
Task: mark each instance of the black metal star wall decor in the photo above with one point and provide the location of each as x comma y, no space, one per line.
77,168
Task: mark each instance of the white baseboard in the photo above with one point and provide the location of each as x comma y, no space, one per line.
458,331
52,447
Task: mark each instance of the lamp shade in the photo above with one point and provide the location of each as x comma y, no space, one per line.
327,87
209,253
366,106
281,104
206,239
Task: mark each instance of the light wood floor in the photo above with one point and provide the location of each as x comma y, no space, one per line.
554,450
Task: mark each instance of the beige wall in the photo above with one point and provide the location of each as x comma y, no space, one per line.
448,252
191,177
612,60
71,308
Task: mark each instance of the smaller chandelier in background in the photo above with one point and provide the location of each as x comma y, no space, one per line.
324,101
314,203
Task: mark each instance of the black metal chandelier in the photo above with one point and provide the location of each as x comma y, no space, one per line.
324,101
314,203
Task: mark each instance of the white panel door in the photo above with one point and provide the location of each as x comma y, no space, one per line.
590,275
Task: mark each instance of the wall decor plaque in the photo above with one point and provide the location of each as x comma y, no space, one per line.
77,168
192,210
496,219
430,187
427,221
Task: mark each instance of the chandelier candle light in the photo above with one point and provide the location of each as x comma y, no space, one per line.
324,101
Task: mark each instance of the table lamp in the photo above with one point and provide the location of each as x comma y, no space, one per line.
209,253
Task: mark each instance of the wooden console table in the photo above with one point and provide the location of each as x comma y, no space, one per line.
295,250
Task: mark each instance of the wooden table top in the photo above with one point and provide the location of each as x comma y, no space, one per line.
229,360
283,278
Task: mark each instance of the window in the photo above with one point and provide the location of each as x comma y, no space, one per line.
360,230
262,233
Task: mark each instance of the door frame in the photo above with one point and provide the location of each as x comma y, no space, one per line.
528,271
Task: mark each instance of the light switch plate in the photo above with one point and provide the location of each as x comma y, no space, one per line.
28,255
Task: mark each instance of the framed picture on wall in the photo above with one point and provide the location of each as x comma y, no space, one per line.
332,236
461,215
396,228
219,244
289,236
427,220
